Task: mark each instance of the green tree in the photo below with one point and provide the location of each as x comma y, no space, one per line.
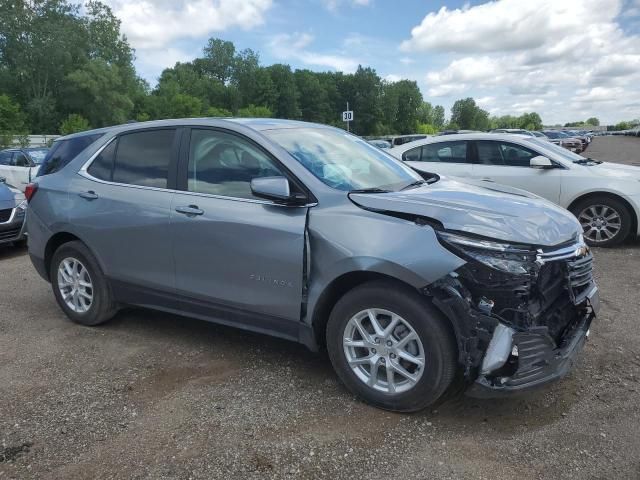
313,100
363,90
286,98
468,116
409,101
219,59
593,121
438,116
254,111
12,120
96,92
74,123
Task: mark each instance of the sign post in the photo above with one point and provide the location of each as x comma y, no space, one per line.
347,116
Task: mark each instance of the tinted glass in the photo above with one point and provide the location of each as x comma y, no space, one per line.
102,165
63,151
37,155
516,156
412,155
447,152
225,164
20,160
5,158
143,158
343,161
489,153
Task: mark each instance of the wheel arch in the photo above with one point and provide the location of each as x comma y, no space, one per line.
613,196
55,242
346,282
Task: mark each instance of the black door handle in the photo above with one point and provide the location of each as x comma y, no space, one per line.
90,195
190,211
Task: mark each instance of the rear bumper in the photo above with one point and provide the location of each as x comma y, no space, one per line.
540,361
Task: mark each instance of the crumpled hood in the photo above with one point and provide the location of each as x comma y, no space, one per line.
490,212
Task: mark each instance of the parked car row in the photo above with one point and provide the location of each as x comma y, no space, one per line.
632,132
20,165
309,233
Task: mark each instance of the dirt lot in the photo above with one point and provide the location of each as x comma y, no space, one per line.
157,396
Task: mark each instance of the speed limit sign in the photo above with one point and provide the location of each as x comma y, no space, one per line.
347,116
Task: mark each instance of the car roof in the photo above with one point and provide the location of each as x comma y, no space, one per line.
259,124
507,137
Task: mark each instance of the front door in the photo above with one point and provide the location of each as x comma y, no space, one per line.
238,257
508,163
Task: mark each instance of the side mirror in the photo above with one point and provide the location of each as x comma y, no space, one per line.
272,188
3,180
541,162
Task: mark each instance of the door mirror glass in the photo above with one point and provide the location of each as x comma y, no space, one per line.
541,162
271,188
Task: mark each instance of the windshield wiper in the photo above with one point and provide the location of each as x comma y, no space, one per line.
370,190
417,183
585,161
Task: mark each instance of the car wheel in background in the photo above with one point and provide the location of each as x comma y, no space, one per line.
606,222
79,285
391,347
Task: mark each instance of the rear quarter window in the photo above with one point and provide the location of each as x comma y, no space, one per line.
63,151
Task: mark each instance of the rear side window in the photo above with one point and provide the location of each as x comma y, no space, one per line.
142,158
102,166
5,158
63,151
412,155
446,152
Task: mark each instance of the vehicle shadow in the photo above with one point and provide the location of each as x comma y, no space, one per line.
192,335
9,251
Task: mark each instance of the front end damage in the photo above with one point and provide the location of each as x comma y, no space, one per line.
521,314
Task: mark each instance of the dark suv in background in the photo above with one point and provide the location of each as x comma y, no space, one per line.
308,233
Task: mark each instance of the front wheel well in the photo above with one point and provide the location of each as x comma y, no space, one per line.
55,242
613,196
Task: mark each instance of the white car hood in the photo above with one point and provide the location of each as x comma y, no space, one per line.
617,170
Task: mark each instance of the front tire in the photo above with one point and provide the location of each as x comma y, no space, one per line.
79,285
606,222
391,347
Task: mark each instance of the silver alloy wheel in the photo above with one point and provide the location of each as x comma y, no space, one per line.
75,285
600,223
383,350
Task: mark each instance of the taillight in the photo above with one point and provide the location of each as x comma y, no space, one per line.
30,190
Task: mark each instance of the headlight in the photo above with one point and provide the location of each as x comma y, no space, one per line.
514,259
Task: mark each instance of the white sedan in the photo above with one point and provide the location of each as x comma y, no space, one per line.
605,197
20,165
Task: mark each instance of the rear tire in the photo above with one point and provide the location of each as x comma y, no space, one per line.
355,355
79,285
605,221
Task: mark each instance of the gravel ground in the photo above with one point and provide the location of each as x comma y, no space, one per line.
151,395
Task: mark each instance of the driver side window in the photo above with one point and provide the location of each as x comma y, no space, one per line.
224,164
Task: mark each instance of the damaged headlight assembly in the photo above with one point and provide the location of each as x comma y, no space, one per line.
513,259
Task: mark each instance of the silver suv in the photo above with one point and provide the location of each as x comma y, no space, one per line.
308,233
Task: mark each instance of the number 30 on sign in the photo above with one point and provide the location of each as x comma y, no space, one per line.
347,116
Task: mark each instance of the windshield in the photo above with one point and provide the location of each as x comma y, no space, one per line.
37,155
343,161
558,150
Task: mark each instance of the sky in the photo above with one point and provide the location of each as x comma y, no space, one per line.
565,59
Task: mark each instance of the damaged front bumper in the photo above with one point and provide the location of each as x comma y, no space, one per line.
539,360
517,332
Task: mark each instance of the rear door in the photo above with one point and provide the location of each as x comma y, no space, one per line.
120,205
508,163
19,170
5,164
238,257
445,158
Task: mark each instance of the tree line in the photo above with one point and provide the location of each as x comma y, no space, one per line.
64,68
